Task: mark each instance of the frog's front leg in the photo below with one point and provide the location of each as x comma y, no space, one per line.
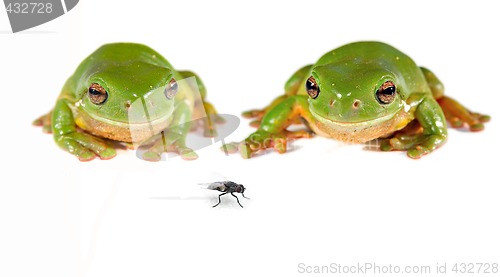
455,113
433,134
203,109
272,132
173,139
81,144
258,114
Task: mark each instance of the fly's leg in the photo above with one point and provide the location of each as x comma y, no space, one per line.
219,199
238,200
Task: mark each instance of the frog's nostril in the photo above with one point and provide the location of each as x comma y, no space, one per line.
128,104
355,104
332,102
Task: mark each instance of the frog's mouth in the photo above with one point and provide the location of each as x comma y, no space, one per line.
361,131
134,125
354,124
135,132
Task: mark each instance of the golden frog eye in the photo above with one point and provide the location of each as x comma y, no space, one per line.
171,89
312,87
386,93
97,94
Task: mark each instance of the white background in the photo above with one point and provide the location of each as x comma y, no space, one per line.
323,203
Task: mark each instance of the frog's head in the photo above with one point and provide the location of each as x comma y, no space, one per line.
118,100
355,99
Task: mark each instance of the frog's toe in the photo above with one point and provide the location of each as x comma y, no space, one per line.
96,145
402,144
476,124
230,148
299,134
188,154
456,122
37,122
107,154
385,145
85,146
76,149
482,117
255,123
151,156
253,113
250,146
476,127
416,146
185,152
417,152
245,150
279,144
85,156
47,129
425,144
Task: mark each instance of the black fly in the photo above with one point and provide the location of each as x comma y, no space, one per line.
227,187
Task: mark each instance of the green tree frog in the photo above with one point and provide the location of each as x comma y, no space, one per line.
361,92
93,111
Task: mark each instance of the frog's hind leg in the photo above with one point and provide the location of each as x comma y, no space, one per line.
45,122
292,87
455,113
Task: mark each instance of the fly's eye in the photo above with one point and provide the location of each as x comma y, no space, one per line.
239,189
312,87
171,89
97,94
386,93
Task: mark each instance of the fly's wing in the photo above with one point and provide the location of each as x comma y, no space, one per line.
220,186
218,176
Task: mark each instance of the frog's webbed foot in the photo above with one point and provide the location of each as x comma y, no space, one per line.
167,142
85,146
413,140
45,122
273,131
416,146
458,115
261,140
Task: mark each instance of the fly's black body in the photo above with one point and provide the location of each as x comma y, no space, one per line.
228,187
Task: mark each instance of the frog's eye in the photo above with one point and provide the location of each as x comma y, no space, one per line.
97,94
386,93
171,89
312,87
